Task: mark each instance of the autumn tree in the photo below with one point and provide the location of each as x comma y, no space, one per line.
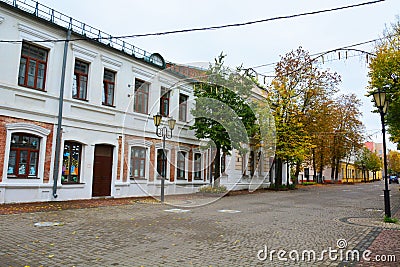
393,162
367,161
374,164
294,93
347,132
384,73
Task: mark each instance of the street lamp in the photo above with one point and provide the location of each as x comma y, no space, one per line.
163,132
382,105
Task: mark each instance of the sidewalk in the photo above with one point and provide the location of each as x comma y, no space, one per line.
384,247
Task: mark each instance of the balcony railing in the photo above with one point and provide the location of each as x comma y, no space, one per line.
81,28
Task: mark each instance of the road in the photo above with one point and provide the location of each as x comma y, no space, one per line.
240,230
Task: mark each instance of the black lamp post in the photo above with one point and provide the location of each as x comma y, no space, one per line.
163,132
382,105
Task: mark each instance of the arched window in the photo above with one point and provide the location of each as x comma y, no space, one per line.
24,156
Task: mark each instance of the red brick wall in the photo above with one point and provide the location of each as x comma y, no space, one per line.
153,162
3,134
190,166
119,157
172,164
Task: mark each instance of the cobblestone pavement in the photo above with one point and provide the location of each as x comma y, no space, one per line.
145,234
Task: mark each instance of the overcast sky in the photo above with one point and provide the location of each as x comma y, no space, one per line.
251,45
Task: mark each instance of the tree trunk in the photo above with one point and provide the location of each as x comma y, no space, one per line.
321,167
314,166
297,172
278,173
333,169
217,166
337,165
287,174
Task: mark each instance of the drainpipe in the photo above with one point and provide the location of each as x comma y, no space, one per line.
60,116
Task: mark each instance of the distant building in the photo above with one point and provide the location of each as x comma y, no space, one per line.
375,148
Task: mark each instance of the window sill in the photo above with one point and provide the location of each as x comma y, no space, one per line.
33,88
71,185
80,99
107,105
22,178
138,181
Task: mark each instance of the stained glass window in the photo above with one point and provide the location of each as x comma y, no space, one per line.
71,162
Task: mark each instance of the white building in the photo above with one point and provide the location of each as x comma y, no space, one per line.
111,90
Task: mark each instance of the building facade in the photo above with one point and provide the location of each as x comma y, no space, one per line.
91,102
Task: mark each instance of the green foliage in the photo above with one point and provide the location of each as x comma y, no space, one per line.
394,162
367,160
213,189
223,110
309,183
384,73
390,220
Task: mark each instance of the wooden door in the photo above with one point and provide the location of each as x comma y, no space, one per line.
102,170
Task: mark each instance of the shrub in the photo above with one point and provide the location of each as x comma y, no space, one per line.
282,187
390,220
213,189
309,183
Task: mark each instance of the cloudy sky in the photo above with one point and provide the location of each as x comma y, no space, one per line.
251,45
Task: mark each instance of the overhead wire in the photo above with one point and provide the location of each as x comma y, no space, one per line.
210,27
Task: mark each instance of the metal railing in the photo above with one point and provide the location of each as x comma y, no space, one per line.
81,28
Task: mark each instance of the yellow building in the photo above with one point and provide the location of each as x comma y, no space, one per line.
350,173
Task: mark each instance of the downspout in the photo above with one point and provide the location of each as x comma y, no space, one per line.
60,116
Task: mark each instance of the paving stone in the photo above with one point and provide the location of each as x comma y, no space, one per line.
143,234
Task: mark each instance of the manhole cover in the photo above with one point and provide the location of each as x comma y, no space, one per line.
177,210
47,224
229,211
377,210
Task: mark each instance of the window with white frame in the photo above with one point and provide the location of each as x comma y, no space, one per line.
25,153
197,166
164,102
80,82
138,163
71,167
23,158
161,163
108,87
183,107
32,67
180,162
141,96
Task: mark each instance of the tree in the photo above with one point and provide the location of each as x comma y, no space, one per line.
374,164
368,161
223,111
384,73
299,85
347,130
394,162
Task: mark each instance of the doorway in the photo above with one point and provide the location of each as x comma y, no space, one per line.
102,170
